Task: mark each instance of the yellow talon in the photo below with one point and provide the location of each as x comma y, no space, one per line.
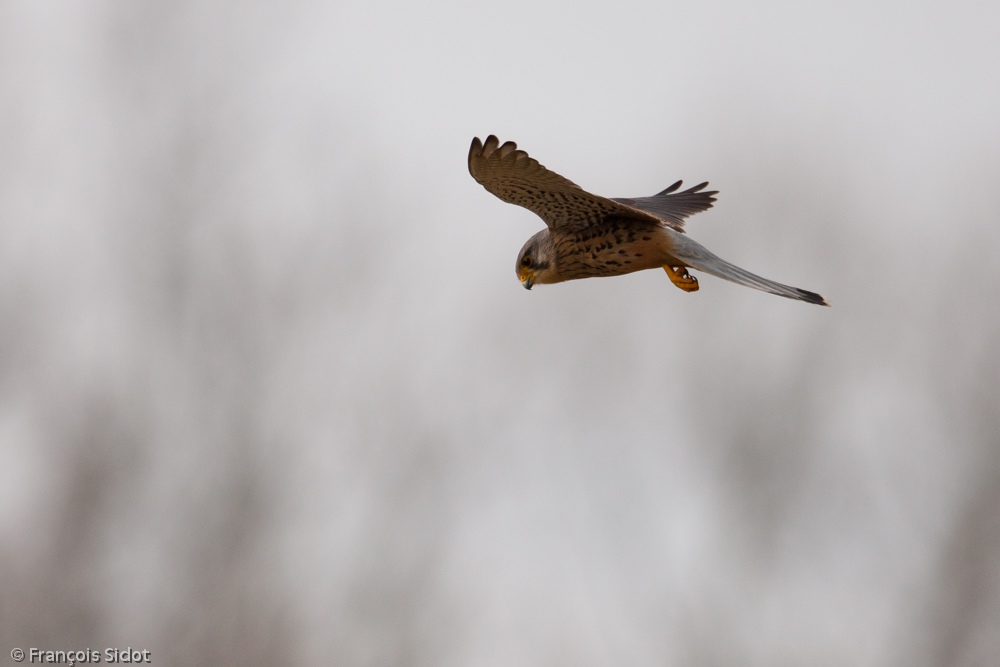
680,277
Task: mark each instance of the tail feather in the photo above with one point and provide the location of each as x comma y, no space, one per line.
697,256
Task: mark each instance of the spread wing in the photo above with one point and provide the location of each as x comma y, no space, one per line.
518,179
673,208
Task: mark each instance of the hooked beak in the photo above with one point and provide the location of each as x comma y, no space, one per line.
527,282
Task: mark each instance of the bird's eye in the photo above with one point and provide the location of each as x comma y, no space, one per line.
526,261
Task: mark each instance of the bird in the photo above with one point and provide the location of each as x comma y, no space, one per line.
590,236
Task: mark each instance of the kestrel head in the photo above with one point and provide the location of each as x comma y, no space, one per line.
536,261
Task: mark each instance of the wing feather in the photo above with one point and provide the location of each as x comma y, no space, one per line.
516,178
673,208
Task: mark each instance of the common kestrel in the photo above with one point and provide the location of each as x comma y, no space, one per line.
590,236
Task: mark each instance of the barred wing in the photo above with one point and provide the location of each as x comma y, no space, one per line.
518,179
673,208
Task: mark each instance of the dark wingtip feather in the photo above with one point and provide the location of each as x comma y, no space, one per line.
490,145
507,148
475,150
669,189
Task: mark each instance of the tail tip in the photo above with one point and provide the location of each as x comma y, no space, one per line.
812,297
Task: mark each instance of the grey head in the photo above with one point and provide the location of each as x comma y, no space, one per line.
536,263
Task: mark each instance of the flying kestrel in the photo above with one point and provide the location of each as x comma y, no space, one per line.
590,236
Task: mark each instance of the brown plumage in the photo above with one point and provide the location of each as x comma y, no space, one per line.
591,236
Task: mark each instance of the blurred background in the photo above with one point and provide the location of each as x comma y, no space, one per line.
270,392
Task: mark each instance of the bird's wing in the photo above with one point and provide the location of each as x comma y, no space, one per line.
518,179
672,207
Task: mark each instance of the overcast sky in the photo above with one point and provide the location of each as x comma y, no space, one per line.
271,393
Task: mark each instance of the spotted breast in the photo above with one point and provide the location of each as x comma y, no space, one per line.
611,248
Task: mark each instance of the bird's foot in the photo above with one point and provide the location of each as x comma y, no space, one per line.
680,277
